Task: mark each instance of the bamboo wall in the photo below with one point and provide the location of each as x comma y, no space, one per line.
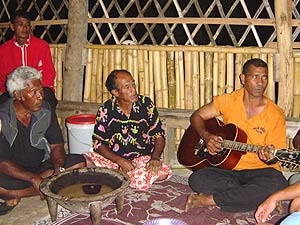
172,119
184,77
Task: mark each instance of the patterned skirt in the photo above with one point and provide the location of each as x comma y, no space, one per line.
141,178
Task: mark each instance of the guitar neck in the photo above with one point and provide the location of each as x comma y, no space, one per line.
239,146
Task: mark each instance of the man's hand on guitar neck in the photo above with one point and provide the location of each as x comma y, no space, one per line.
213,143
266,155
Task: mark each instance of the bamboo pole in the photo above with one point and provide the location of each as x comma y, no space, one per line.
208,78
230,72
118,59
222,73
201,78
124,53
151,75
215,65
238,71
181,75
88,77
157,81
171,79
99,79
94,76
202,48
59,74
130,62
141,72
256,55
111,60
271,83
180,87
195,80
264,57
179,81
164,79
147,74
135,68
296,106
188,95
283,16
164,20
106,71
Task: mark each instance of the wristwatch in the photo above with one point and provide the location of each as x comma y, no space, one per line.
61,169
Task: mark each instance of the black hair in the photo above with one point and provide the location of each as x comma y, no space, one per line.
111,79
255,62
20,13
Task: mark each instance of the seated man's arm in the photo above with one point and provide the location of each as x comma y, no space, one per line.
125,164
9,168
263,211
275,138
159,145
58,156
154,164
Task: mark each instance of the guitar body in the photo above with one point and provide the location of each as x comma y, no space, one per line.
192,152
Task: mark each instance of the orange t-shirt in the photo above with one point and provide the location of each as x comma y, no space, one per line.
266,128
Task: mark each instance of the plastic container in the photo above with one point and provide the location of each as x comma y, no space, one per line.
80,131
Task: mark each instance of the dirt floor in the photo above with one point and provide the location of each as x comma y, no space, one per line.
26,212
30,210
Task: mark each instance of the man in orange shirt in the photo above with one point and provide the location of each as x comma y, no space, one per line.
256,175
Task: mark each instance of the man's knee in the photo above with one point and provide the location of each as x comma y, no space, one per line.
74,159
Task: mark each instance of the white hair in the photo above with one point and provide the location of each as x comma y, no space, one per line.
17,79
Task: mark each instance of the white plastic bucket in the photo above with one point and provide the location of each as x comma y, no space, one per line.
80,131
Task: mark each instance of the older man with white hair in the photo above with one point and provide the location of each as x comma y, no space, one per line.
31,141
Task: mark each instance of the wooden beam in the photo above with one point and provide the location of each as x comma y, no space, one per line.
167,20
74,68
283,15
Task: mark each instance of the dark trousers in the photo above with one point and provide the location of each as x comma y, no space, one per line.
49,96
12,183
237,191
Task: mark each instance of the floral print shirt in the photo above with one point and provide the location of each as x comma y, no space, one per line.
128,137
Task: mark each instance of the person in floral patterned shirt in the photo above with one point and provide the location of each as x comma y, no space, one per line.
128,134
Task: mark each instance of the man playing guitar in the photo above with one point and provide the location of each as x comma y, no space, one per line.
256,175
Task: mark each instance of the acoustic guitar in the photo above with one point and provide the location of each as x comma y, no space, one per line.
193,154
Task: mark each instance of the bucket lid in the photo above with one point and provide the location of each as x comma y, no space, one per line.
82,119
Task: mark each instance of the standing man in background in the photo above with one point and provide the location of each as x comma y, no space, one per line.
26,50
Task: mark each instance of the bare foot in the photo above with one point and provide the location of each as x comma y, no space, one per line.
12,202
295,205
279,208
198,200
163,177
89,162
